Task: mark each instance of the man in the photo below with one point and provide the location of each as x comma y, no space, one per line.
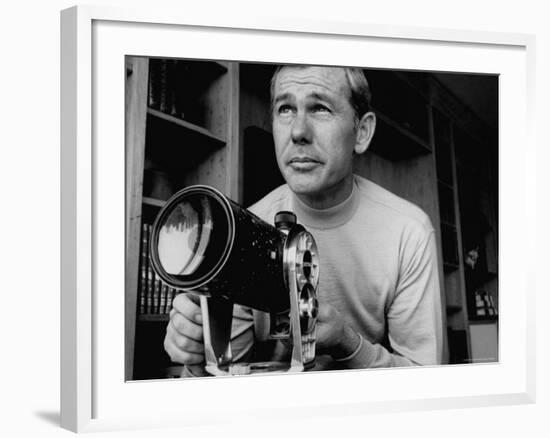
379,299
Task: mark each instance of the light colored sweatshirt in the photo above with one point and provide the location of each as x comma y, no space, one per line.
378,268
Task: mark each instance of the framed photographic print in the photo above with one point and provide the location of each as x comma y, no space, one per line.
155,105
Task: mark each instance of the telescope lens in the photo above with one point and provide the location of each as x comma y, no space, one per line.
193,237
185,235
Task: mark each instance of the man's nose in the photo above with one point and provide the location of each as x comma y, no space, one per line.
301,130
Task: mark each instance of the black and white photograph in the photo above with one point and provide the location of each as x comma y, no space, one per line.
286,218
243,219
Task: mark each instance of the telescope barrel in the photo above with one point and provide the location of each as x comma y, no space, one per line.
205,243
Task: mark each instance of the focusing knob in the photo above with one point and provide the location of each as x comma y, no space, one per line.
284,220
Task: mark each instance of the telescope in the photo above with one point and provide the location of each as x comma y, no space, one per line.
205,244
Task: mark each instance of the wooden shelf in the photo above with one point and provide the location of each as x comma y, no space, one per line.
152,202
186,125
453,308
449,267
153,317
483,319
395,143
177,145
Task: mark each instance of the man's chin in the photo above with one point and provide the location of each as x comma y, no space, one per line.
302,186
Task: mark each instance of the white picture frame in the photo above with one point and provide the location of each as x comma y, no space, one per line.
94,41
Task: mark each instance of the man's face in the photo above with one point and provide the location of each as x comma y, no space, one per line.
314,132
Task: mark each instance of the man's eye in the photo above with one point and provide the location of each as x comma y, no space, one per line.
320,109
284,109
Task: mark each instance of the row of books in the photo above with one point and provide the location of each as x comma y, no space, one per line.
485,305
154,296
170,89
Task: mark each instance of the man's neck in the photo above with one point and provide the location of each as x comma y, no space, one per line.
330,198
329,217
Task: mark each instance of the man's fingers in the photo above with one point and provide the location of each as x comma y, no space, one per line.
184,333
185,305
182,341
185,327
189,345
181,356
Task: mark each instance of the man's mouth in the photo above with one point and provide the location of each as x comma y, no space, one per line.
303,163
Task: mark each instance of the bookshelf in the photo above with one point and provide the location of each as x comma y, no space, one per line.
466,160
207,122
188,113
480,239
451,243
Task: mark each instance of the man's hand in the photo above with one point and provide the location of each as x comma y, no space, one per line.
184,333
334,335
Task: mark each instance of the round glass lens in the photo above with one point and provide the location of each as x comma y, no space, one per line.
184,236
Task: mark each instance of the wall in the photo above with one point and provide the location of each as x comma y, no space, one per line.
30,167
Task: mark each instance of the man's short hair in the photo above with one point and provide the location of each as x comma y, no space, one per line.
360,94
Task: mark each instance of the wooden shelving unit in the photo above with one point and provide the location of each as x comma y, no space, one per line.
216,127
190,136
450,229
478,214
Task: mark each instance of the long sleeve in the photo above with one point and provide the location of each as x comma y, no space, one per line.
414,320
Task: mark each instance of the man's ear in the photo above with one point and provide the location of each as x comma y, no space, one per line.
365,132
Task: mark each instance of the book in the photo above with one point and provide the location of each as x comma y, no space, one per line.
163,293
150,281
172,81
153,91
156,295
164,100
144,260
170,298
